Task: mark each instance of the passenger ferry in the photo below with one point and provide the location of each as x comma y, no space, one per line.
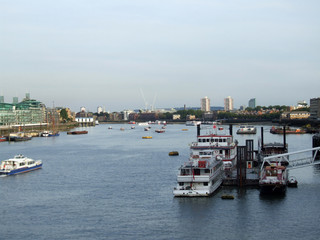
199,177
203,173
222,147
19,164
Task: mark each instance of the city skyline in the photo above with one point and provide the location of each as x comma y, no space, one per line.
102,53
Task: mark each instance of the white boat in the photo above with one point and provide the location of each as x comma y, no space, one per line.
143,124
222,147
199,177
247,130
19,164
193,123
203,173
45,134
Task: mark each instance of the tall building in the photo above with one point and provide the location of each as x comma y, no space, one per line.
29,111
252,103
205,104
315,108
228,104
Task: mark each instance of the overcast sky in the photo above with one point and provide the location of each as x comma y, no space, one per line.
122,54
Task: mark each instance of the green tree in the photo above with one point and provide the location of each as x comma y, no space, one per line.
64,115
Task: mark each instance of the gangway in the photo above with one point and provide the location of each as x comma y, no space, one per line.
298,159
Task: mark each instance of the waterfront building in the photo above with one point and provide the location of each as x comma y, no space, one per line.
315,108
302,104
26,112
85,118
99,110
295,115
252,103
176,117
228,104
205,104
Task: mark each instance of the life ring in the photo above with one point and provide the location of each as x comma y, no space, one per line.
216,151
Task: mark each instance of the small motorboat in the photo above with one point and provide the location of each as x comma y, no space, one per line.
147,137
292,182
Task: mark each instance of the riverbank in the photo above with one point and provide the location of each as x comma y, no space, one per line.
6,130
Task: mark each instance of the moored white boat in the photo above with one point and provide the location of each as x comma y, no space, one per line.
199,177
19,164
247,130
193,123
222,147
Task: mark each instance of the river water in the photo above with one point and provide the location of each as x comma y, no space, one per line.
112,184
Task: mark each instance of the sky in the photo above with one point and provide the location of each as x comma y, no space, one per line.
125,54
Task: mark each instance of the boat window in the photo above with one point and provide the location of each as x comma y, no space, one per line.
196,172
22,164
224,140
216,140
220,140
181,184
205,184
221,151
207,171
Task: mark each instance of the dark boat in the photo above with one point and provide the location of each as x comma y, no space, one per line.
77,132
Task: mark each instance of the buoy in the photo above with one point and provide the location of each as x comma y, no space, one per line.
174,153
227,196
147,137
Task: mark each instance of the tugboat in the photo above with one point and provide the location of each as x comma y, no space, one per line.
274,177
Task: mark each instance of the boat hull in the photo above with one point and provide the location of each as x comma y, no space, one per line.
197,193
21,170
273,189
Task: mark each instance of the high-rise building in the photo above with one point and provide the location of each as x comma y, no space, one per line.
205,104
315,108
252,103
228,104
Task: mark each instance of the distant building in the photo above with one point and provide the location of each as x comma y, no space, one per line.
15,100
176,117
191,117
85,118
1,99
205,104
295,115
315,108
99,110
228,104
302,104
28,111
252,103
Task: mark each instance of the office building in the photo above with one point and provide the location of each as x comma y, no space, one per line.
205,104
252,103
228,104
29,111
315,108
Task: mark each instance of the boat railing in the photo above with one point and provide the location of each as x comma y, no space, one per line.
294,159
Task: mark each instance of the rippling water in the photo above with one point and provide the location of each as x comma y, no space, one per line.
112,184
